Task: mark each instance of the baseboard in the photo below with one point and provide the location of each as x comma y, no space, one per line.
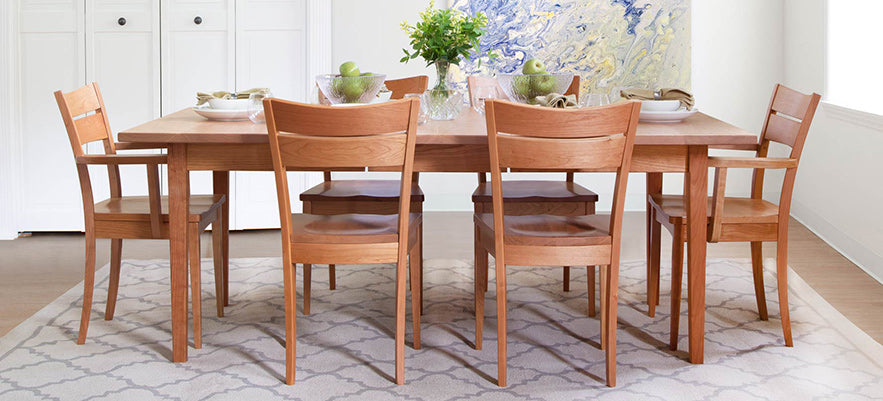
864,258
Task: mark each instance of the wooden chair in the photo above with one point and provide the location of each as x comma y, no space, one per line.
528,138
365,196
132,217
562,198
308,137
733,219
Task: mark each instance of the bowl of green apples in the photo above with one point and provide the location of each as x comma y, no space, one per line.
350,85
533,81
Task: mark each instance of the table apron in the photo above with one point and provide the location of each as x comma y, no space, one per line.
427,158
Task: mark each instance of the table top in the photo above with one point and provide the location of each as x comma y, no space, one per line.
469,128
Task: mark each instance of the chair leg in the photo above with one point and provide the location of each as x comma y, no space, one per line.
401,271
677,275
757,269
501,321
420,245
308,278
590,284
113,286
602,271
611,303
782,280
332,277
566,279
654,254
88,286
480,281
415,265
195,282
290,318
218,261
225,246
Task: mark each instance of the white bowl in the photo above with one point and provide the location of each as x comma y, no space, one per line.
660,105
228,104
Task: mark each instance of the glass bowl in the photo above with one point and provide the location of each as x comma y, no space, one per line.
361,89
525,88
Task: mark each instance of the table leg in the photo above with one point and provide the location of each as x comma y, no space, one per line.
696,190
179,200
654,186
221,183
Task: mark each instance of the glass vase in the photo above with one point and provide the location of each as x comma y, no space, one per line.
442,101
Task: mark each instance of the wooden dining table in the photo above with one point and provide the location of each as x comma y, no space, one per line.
459,145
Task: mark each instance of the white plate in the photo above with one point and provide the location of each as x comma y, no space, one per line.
221,115
666,116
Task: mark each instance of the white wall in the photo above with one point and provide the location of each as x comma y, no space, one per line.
838,185
8,181
737,59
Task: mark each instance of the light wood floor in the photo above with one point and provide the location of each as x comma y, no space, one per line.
35,270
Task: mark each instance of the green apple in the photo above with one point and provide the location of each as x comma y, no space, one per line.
533,66
542,85
521,86
353,90
349,69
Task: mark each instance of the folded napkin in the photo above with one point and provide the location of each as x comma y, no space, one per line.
203,97
556,100
686,98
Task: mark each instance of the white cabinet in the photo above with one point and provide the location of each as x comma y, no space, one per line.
52,56
150,57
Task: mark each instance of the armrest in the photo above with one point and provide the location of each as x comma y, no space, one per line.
138,145
751,162
122,159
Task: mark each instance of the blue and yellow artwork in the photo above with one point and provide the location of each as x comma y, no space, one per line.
610,44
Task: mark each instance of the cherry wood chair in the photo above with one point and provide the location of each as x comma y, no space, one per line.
309,137
561,198
733,219
529,138
365,196
132,217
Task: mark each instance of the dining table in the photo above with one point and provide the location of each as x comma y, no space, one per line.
459,145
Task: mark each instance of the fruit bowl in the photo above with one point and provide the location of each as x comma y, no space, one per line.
360,89
525,88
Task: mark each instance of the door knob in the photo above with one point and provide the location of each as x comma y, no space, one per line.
121,21
197,20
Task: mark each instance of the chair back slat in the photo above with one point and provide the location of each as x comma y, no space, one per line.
401,87
83,100
782,129
791,102
312,120
512,118
90,128
525,153
338,153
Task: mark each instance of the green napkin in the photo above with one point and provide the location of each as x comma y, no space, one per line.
556,100
203,97
686,98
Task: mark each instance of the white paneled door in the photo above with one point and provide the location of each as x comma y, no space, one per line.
52,57
270,52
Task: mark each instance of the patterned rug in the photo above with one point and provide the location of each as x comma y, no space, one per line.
345,348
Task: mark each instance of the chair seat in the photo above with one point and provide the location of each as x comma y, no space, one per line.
137,208
348,228
536,191
359,190
550,230
736,210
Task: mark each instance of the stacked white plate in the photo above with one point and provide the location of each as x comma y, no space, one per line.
664,111
224,110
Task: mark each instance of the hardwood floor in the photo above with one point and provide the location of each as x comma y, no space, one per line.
37,269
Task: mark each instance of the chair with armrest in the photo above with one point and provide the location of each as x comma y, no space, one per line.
132,217
309,138
528,138
733,219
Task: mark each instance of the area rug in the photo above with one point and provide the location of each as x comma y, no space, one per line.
345,348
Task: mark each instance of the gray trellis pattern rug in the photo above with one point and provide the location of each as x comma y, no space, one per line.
345,347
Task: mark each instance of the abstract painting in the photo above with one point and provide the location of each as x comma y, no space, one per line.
611,44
